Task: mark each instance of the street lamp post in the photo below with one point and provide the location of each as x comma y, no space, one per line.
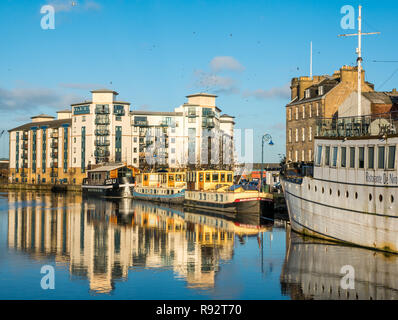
265,138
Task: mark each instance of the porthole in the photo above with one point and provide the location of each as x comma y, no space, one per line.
380,198
330,191
347,194
356,195
370,197
392,199
338,193
323,190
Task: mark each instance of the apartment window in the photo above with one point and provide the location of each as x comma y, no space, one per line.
317,109
381,154
297,113
310,111
343,157
391,157
352,157
302,155
334,159
361,157
84,119
327,156
290,113
303,133
371,157
173,150
296,135
290,155
296,155
310,133
290,135
135,160
303,107
320,90
135,150
135,140
173,140
191,120
307,93
310,155
319,156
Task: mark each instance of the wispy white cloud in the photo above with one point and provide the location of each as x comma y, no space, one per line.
225,63
211,82
282,92
27,99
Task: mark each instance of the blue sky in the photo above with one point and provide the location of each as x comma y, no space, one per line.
154,53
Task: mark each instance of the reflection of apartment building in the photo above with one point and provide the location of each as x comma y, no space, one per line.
100,244
104,130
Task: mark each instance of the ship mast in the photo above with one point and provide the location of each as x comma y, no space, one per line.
359,58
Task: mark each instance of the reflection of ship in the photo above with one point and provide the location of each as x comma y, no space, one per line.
312,271
102,239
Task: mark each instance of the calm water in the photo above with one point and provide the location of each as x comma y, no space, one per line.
138,250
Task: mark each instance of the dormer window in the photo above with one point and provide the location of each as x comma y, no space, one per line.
307,93
320,90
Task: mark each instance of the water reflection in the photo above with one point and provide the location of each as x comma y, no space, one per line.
312,271
102,240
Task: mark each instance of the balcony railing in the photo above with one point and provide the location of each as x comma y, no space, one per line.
54,145
368,125
102,132
102,120
54,135
25,136
54,174
54,154
101,153
102,109
209,114
141,123
192,114
101,143
24,145
208,124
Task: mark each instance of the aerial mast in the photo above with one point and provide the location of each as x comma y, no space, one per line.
359,53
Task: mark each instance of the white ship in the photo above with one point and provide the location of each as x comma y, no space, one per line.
350,194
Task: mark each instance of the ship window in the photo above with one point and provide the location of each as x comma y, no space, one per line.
215,177
201,177
207,177
327,156
222,196
216,197
334,164
381,152
319,156
222,177
343,157
391,157
371,157
361,158
352,157
229,177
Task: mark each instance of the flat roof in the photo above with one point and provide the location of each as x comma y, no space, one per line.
202,94
107,167
50,124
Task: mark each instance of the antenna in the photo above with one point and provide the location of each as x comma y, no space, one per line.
311,61
359,53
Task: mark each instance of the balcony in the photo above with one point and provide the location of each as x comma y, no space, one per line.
54,135
102,132
54,145
208,124
24,155
54,164
24,146
102,109
101,153
209,114
192,114
141,123
54,174
54,154
100,143
102,120
25,136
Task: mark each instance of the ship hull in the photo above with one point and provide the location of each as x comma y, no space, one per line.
109,191
177,198
343,212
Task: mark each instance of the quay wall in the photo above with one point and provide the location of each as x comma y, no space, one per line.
40,187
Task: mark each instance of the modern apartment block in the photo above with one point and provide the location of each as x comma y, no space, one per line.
49,150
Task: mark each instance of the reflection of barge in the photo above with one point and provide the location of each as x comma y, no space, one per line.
214,190
111,180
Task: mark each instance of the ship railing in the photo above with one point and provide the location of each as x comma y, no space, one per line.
356,126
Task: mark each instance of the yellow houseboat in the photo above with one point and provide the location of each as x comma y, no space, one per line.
215,190
161,186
